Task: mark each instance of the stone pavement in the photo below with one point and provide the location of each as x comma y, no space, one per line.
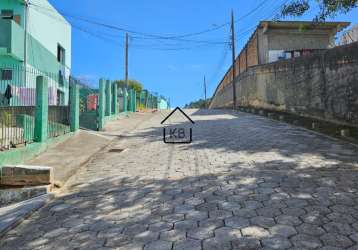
246,182
67,157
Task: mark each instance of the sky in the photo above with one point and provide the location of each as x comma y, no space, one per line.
175,67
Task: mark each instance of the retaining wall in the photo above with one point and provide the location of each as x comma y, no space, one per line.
323,85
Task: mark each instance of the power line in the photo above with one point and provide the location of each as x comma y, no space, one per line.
156,36
146,47
105,37
122,29
251,12
147,36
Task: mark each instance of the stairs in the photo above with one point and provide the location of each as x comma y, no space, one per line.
19,183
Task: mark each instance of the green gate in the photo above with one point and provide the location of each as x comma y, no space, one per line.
88,106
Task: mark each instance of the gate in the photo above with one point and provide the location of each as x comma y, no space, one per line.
88,106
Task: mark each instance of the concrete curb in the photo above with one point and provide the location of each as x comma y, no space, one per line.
14,195
20,155
13,215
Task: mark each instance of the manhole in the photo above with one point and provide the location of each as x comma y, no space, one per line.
116,150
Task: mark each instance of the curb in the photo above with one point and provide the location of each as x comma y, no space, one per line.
13,215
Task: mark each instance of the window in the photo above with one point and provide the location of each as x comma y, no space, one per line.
60,54
275,55
7,14
6,74
60,78
60,98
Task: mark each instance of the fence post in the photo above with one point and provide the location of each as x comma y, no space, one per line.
134,101
131,100
146,99
101,104
108,98
75,107
41,111
125,100
141,99
153,102
115,98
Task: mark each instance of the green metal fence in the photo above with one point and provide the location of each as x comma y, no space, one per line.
18,100
88,117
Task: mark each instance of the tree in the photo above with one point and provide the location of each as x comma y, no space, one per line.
327,8
132,84
200,104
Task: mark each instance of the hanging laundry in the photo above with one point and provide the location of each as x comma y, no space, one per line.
8,93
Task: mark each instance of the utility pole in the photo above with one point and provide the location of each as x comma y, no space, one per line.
205,92
233,59
26,24
126,62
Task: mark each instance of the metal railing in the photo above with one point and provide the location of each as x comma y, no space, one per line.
17,125
58,121
18,101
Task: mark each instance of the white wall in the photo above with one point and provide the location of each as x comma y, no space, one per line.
50,28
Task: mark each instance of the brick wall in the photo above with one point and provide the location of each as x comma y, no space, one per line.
252,51
247,57
322,85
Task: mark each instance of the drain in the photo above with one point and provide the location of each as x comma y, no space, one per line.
116,150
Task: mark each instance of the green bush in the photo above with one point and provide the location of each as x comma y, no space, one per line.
6,118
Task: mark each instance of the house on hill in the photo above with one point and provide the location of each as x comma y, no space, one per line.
273,41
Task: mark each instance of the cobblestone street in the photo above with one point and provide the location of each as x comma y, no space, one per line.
246,182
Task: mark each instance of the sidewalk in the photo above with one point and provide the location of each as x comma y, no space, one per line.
67,157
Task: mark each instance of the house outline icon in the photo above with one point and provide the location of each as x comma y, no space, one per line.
191,130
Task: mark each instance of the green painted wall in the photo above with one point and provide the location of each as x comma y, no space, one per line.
12,43
46,30
15,5
162,104
43,20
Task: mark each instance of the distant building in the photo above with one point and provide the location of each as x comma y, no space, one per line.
284,40
273,41
163,103
48,49
350,36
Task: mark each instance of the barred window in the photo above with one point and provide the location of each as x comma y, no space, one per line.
6,74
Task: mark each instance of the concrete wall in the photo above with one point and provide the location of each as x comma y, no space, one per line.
252,51
46,29
322,85
11,40
290,38
14,5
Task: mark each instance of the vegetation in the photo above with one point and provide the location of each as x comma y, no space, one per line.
200,104
6,118
132,84
327,8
